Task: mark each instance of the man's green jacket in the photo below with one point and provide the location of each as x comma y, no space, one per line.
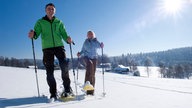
52,32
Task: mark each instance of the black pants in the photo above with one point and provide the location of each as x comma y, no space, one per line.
48,60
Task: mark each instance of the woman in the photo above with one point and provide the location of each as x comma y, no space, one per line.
89,52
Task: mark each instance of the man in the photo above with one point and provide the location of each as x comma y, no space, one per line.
52,32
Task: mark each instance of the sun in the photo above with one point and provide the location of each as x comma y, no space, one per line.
171,7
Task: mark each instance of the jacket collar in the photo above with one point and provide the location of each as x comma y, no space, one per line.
92,39
47,19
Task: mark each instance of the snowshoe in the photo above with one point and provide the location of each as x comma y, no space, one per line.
67,96
88,88
90,92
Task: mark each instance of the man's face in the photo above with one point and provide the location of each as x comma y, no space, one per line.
50,11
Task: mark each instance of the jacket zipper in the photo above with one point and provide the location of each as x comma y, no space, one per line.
52,33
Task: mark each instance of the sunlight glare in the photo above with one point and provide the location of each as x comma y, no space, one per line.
172,7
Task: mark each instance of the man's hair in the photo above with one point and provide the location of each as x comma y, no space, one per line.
49,4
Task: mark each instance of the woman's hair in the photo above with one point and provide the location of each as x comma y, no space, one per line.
90,31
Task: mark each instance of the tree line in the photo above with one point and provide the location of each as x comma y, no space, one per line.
14,62
174,63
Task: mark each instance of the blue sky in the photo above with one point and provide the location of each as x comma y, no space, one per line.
125,26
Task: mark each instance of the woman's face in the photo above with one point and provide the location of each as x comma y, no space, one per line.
90,35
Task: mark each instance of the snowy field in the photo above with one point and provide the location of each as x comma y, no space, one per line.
18,90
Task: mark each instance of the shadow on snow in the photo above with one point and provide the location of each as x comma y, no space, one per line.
21,101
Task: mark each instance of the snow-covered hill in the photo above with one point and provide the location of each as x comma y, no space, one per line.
18,90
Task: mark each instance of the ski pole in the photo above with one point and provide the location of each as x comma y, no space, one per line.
35,67
77,68
72,66
103,72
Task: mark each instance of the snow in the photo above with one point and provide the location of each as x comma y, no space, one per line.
18,90
153,71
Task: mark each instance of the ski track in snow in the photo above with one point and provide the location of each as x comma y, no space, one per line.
152,87
128,80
